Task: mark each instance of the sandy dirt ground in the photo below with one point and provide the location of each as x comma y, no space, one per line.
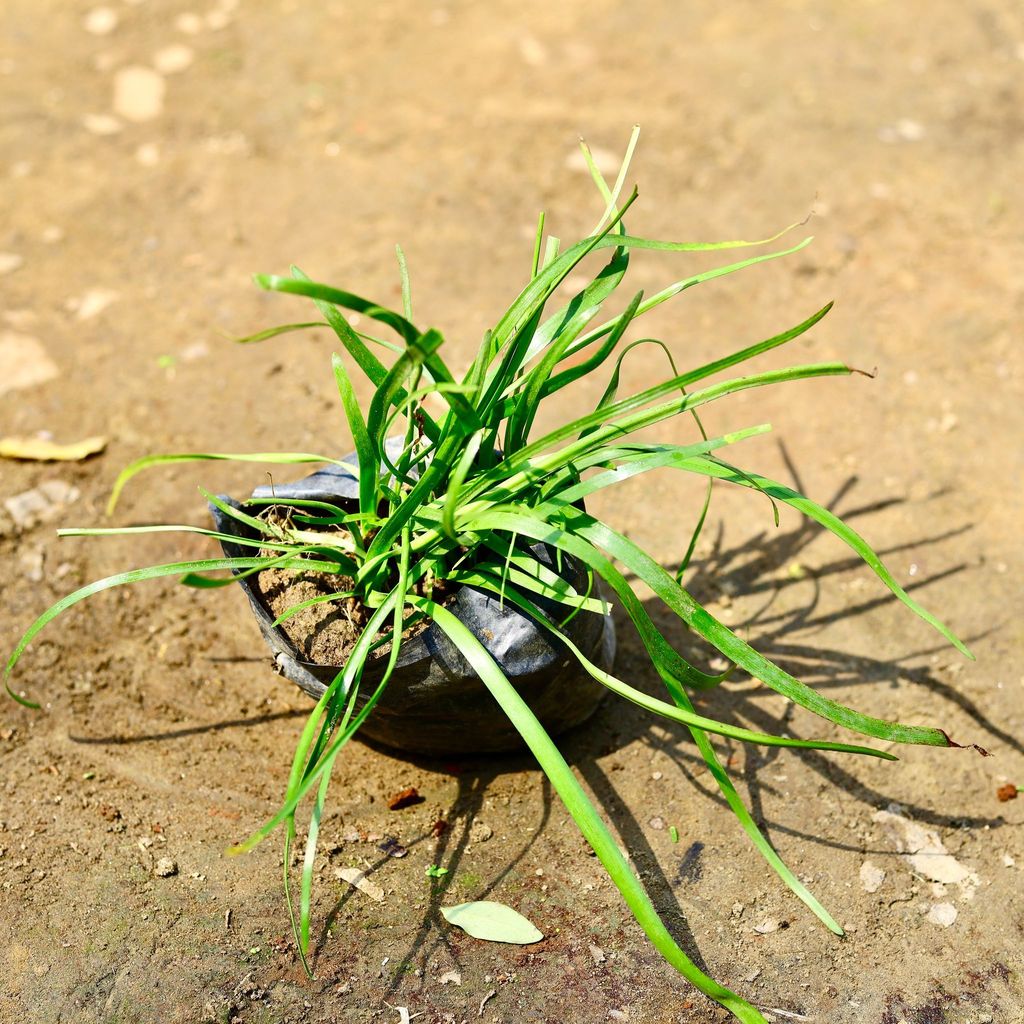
153,155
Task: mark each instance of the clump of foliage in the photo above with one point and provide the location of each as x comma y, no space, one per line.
470,492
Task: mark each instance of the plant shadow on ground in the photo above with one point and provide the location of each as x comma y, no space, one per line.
757,567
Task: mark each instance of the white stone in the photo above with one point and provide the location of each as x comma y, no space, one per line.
903,130
102,124
41,504
24,362
871,876
924,851
92,303
139,93
101,21
197,350
942,914
533,51
174,58
189,23
148,154
9,262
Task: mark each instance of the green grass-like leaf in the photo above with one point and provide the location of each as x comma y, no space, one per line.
461,492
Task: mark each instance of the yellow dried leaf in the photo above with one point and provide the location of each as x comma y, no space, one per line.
34,449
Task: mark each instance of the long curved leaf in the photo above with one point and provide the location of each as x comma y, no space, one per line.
583,812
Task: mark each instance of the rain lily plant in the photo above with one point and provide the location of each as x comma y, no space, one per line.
473,490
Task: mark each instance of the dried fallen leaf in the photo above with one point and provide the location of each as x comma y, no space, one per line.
35,449
358,878
493,922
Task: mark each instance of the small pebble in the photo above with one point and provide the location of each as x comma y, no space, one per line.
767,926
404,798
943,914
9,262
172,59
52,234
92,303
533,51
903,130
100,21
101,124
32,560
479,832
139,93
189,23
197,350
148,154
871,876
165,867
24,362
217,19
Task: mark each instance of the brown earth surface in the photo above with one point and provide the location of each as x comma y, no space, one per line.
134,205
